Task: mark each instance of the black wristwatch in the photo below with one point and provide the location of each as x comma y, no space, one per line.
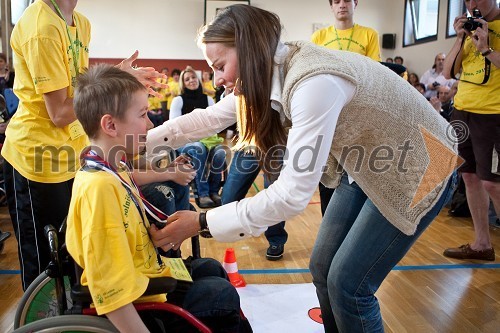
204,231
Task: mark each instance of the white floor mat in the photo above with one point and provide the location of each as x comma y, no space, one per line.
281,307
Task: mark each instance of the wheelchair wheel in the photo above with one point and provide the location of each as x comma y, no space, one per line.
69,323
40,300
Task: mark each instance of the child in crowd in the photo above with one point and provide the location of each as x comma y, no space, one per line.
108,232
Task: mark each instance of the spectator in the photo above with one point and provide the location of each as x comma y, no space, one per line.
413,79
208,84
389,60
443,103
207,155
435,77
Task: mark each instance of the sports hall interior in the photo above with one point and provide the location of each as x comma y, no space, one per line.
426,292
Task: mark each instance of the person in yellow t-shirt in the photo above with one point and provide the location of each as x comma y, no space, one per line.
108,231
208,84
345,35
50,43
173,86
165,93
477,117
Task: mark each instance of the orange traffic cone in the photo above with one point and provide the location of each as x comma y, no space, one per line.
231,268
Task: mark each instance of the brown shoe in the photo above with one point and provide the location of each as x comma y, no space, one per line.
465,252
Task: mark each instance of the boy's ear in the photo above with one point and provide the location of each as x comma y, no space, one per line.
108,125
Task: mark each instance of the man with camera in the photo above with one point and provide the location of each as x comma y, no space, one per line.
434,77
475,54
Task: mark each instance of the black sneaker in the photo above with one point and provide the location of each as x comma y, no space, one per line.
275,252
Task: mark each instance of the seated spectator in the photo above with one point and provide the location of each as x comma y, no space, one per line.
443,103
420,87
107,217
208,85
155,112
399,61
413,79
434,77
207,155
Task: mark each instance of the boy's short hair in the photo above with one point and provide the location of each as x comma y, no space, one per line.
103,89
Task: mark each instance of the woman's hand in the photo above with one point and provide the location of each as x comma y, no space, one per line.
181,225
148,76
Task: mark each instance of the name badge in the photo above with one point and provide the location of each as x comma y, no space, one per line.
76,130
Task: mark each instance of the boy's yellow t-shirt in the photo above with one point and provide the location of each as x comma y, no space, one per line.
43,62
107,237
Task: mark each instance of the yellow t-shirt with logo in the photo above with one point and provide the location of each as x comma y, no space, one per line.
163,91
175,91
43,62
107,237
364,40
479,98
208,89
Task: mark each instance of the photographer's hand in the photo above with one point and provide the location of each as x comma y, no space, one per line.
480,36
458,25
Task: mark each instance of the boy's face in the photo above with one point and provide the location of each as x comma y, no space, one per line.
132,129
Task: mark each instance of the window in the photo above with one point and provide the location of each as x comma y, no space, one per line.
421,21
17,8
455,8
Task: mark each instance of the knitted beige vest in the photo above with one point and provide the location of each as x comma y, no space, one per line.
385,136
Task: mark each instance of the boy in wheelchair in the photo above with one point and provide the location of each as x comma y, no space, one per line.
108,230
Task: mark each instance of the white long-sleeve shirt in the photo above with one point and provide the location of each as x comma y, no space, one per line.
315,108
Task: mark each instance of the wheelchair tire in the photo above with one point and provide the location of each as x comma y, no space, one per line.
39,301
69,323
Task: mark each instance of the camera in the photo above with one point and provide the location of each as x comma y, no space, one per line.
435,84
472,25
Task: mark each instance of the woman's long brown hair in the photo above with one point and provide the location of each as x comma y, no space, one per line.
255,34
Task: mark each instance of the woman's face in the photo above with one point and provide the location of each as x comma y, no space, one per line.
3,64
191,81
223,60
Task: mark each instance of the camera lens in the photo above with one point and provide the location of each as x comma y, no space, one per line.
468,26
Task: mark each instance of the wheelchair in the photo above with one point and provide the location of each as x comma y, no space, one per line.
56,302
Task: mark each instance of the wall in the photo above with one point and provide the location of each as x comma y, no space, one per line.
166,29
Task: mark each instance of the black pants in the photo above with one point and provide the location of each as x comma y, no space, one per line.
32,206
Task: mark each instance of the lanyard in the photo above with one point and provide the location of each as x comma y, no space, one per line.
92,160
487,66
73,45
350,38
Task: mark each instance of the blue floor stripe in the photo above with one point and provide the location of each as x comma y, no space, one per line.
305,270
397,268
9,271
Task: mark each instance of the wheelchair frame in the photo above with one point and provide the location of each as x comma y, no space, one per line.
56,302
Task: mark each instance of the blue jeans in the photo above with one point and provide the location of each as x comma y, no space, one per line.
209,166
168,196
211,298
355,249
242,173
